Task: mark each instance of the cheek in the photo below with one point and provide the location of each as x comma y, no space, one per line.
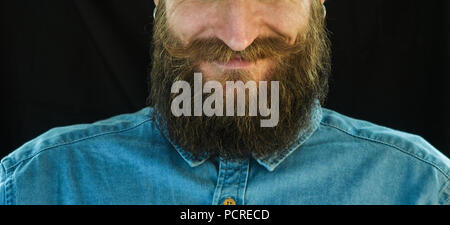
188,20
292,19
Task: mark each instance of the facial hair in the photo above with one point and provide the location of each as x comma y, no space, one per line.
301,68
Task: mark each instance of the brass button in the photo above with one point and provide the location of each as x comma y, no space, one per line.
229,201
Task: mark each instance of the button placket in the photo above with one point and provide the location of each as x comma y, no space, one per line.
231,182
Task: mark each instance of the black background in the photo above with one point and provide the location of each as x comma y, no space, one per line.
78,61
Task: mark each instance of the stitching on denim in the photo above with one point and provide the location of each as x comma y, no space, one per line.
445,191
78,140
2,167
391,145
238,189
188,157
226,175
13,189
274,163
9,190
244,188
219,186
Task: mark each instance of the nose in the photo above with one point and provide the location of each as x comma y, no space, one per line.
238,24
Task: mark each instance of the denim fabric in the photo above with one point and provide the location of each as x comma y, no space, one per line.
127,160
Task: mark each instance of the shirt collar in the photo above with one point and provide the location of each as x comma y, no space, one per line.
270,162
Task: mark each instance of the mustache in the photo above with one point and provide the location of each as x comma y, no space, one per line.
215,50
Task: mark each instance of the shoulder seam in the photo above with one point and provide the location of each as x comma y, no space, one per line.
390,145
77,140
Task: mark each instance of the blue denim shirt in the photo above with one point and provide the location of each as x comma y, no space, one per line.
127,160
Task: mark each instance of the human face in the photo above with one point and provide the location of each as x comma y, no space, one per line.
301,66
238,23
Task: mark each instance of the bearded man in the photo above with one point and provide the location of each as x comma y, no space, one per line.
310,155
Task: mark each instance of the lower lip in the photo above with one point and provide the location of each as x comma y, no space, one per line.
235,64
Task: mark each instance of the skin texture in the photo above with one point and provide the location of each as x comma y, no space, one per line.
237,23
